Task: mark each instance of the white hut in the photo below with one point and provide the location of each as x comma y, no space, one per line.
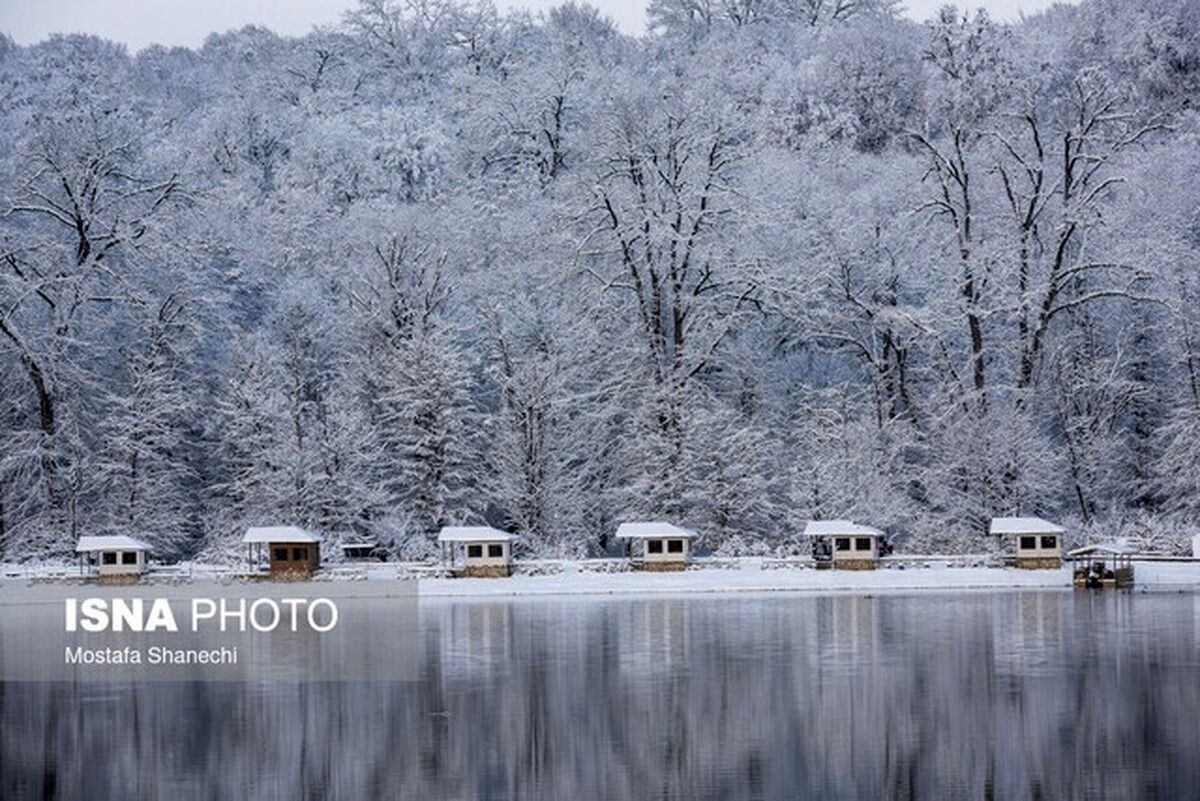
1196,546
851,546
656,545
1037,543
477,551
114,555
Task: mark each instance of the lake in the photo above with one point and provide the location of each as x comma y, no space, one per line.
972,695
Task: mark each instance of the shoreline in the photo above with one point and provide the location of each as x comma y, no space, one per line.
746,579
799,582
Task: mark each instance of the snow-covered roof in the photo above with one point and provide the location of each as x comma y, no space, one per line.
116,542
1024,525
265,534
653,529
475,534
839,528
1120,547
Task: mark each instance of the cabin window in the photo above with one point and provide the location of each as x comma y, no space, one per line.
842,543
862,543
474,551
1049,541
299,554
1028,543
654,546
108,558
495,551
129,558
674,546
279,554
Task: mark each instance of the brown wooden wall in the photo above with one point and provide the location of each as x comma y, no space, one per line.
297,557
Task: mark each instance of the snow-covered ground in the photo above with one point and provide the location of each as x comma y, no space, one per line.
749,579
743,576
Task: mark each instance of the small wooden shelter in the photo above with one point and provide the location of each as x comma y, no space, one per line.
657,545
112,556
477,551
1037,543
844,544
1103,565
363,551
291,552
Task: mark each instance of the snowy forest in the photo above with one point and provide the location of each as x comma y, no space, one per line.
771,260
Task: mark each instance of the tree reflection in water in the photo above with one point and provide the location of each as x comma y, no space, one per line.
1017,695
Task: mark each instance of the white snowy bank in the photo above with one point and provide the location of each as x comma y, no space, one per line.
751,579
733,576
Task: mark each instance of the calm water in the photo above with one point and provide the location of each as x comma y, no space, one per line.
1013,695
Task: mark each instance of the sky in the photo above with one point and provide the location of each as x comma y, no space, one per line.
138,23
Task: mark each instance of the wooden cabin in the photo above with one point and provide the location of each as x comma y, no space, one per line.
477,551
1105,565
291,553
114,557
1037,543
656,545
844,544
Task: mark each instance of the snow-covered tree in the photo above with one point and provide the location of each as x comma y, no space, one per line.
769,259
151,431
